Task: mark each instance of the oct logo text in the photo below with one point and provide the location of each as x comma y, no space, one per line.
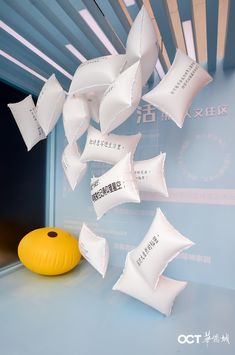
189,339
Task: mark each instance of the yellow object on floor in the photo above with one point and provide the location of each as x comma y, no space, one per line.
49,251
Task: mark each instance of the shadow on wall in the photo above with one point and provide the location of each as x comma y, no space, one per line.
22,181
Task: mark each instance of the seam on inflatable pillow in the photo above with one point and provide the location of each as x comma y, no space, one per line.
163,175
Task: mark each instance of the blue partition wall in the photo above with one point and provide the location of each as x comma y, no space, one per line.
200,175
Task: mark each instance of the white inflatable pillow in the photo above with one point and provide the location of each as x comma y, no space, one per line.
76,117
96,74
115,187
121,99
50,104
142,44
24,113
150,175
161,244
175,93
74,169
94,105
162,298
94,249
108,148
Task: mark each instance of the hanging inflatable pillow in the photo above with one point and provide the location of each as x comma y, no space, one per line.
142,44
121,99
94,105
162,298
96,74
24,113
115,187
108,148
50,104
76,117
73,167
161,244
49,251
175,93
94,249
150,175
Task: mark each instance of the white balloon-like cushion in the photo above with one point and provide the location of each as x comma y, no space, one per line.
142,44
162,298
24,113
176,91
108,148
96,74
50,104
150,175
94,105
76,117
73,167
94,249
121,99
115,187
161,244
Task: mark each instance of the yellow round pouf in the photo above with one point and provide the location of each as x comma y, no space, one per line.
49,251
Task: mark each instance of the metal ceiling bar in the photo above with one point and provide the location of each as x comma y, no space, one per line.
176,23
139,3
115,15
185,8
163,64
212,9
13,47
95,11
59,24
199,22
162,17
186,14
133,10
70,63
222,24
121,15
229,53
125,11
72,12
15,21
18,77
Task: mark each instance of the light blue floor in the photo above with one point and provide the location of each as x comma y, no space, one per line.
79,314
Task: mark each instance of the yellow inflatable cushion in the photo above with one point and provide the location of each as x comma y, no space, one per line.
49,251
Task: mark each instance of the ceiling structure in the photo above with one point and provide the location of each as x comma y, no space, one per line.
41,37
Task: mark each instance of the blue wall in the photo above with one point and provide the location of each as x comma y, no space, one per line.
200,174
